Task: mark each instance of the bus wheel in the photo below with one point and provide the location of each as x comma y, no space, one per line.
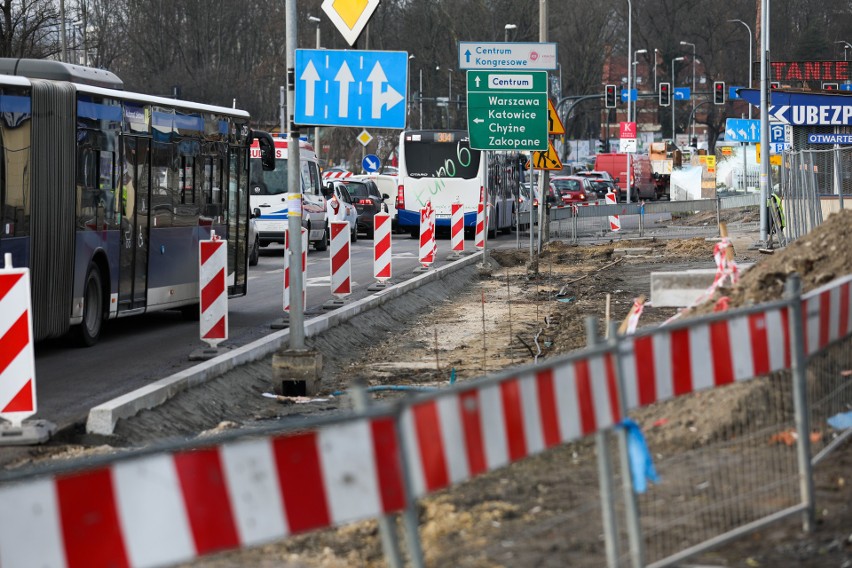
191,312
322,243
89,330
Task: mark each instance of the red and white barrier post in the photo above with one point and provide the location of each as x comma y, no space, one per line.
286,320
381,251
341,270
456,231
427,238
479,237
17,360
614,221
213,288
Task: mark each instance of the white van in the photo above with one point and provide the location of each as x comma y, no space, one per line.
268,195
387,184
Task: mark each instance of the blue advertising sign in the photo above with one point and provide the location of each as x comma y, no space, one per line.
829,138
742,130
804,108
371,163
682,93
351,88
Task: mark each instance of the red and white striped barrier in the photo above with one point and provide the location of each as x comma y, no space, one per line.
213,257
427,236
456,229
479,236
464,433
614,220
341,271
382,247
673,362
827,312
304,233
17,358
336,175
170,508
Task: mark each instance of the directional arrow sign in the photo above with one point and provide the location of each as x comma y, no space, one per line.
351,88
507,110
682,93
371,163
742,130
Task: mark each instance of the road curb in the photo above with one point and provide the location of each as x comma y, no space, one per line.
103,418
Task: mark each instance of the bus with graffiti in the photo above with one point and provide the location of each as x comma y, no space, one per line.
441,167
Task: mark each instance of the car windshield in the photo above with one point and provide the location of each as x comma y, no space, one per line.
358,190
567,184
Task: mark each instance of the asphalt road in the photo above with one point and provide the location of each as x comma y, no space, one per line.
139,350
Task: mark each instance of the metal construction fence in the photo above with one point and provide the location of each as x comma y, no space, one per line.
813,184
776,366
638,219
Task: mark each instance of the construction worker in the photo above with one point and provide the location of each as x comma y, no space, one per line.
777,222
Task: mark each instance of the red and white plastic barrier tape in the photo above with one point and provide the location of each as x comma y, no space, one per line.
464,433
672,362
304,233
341,270
213,260
725,269
17,358
456,228
382,247
169,508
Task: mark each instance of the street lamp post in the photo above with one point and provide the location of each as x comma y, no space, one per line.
673,99
846,45
506,29
317,21
692,94
656,51
635,73
749,58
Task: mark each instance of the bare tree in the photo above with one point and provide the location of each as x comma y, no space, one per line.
29,28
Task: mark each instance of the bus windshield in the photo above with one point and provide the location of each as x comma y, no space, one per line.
439,159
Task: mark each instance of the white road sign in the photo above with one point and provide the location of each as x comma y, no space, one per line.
509,56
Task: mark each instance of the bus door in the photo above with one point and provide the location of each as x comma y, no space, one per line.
135,207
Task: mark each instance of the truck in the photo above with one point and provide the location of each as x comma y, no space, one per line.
645,183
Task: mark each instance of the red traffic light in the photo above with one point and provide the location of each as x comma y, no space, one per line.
774,85
719,92
665,94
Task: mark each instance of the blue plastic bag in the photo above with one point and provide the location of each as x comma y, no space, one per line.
641,464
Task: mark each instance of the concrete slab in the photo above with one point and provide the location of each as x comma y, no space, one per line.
683,288
103,418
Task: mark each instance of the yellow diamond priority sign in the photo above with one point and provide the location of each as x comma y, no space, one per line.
364,138
349,16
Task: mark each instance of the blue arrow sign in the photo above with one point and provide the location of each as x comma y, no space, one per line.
733,94
351,88
742,130
371,163
846,87
682,93
629,94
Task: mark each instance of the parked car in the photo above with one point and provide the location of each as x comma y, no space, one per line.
368,201
573,189
597,174
341,207
387,184
602,186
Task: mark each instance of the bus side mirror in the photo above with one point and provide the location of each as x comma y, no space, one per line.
267,148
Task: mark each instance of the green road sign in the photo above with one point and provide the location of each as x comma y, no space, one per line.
507,110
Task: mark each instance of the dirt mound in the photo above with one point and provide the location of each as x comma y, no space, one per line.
818,257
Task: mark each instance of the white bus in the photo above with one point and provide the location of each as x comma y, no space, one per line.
439,166
268,195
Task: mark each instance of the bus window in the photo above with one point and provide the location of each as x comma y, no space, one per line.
163,182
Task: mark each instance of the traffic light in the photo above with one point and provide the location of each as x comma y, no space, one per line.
829,86
665,94
610,96
774,85
719,93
